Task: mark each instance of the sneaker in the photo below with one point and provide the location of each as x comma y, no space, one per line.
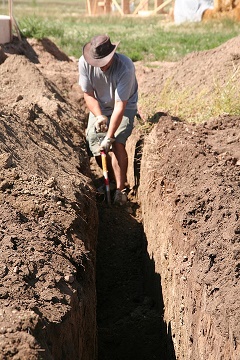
120,197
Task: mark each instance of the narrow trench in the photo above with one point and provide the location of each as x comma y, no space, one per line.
129,294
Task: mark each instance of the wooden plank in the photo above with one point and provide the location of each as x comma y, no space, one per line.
118,7
89,10
140,6
161,6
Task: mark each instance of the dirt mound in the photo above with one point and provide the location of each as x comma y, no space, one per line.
180,281
197,73
48,216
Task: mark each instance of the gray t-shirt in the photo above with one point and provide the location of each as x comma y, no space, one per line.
118,83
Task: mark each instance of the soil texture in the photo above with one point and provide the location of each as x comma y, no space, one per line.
157,279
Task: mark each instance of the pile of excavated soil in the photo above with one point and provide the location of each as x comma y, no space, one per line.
166,267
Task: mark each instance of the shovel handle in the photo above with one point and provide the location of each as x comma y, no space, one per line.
105,174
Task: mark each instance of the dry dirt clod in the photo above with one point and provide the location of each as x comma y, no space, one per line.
69,278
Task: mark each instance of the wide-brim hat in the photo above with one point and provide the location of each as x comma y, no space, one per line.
99,51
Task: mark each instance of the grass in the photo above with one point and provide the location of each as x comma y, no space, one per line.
224,99
142,39
147,39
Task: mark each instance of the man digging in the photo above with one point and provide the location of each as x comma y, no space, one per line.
110,89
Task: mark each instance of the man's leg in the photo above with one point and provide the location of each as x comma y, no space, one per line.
119,164
119,153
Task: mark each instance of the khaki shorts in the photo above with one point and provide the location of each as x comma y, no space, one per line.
124,130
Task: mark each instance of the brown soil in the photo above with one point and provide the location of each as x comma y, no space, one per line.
166,266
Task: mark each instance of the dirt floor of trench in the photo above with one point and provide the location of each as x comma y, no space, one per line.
130,304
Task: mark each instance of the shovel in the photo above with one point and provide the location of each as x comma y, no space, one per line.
105,174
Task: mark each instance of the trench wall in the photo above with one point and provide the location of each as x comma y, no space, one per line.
185,240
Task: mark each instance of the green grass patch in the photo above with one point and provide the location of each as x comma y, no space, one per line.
142,39
38,28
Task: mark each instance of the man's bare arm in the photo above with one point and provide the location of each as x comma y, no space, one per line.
92,104
116,117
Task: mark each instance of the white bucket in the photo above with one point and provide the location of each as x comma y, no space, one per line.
5,29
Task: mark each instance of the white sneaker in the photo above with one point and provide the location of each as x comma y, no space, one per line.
120,197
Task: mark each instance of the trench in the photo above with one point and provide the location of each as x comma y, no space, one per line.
130,306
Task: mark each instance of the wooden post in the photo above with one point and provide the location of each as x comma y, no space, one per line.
11,18
108,6
94,6
126,6
155,11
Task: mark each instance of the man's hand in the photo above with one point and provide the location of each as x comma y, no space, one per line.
101,123
106,144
